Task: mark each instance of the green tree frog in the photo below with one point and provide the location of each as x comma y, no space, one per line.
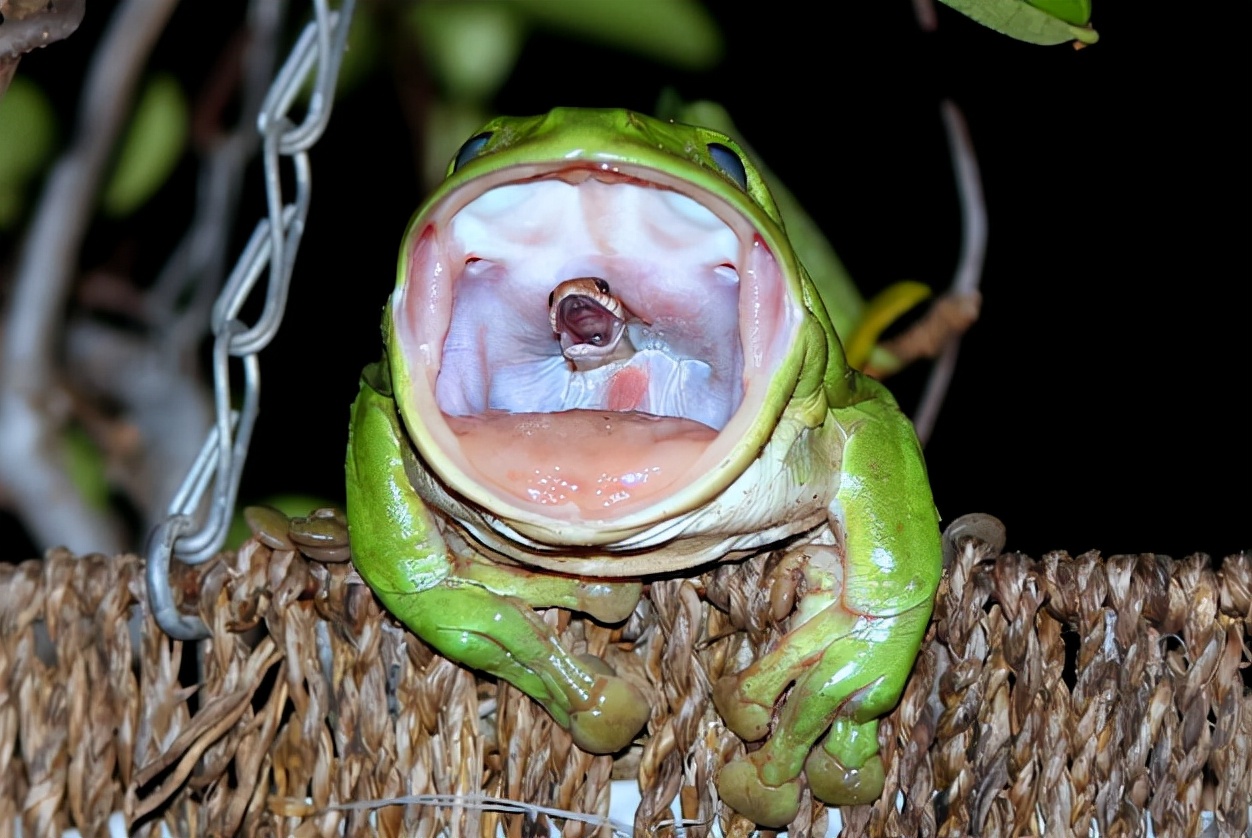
489,473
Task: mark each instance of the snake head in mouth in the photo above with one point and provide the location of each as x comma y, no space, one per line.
590,322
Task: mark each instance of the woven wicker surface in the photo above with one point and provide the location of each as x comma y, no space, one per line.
1050,696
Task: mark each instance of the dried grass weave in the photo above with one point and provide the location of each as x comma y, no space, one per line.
1051,697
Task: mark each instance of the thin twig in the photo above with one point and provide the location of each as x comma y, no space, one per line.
32,459
969,267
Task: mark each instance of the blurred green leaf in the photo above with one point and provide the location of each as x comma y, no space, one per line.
681,33
27,135
471,47
86,467
154,142
1035,24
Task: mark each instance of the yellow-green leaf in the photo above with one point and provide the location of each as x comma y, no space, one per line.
880,312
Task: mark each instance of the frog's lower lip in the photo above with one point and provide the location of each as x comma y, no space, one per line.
472,324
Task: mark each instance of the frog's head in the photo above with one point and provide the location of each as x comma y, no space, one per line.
700,440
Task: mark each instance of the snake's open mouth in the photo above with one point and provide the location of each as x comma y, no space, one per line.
587,321
580,320
507,411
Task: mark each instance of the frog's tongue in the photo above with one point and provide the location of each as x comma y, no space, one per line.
507,409
596,462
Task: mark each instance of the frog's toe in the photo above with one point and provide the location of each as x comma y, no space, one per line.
609,602
596,664
747,719
616,712
838,785
740,786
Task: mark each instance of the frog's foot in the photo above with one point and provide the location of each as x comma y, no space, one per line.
840,685
613,712
742,787
502,636
846,770
830,772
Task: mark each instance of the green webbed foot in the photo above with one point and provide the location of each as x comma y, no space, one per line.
839,688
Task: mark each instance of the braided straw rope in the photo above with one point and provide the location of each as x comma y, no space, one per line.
1051,697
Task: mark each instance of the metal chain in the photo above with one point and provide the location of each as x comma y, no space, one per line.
273,246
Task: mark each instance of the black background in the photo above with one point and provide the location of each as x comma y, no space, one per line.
1101,402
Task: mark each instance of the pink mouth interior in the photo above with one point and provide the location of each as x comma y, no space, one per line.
507,410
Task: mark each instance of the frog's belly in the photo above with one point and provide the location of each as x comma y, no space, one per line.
595,460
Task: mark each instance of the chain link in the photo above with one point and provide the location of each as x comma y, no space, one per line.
272,251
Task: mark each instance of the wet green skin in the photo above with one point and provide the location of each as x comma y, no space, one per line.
869,573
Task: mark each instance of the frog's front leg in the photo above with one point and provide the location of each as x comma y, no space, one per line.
857,627
472,613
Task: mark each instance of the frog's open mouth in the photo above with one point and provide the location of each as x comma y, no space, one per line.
506,413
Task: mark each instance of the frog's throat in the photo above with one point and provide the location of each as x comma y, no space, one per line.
544,454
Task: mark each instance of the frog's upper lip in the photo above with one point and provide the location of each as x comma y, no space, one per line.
581,172
474,338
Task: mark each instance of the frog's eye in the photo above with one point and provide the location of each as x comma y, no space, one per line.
471,148
602,286
730,163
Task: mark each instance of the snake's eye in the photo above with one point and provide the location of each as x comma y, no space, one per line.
602,286
731,164
470,149
551,298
